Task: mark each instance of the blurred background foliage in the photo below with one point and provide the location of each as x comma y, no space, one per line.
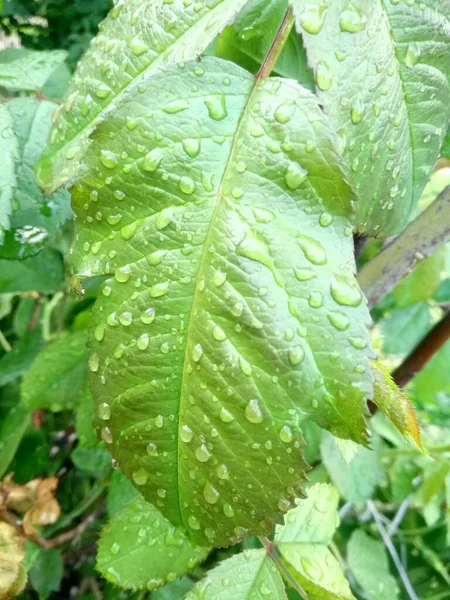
393,497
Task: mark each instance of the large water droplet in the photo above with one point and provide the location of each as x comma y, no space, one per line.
304,274
148,316
412,55
210,494
345,291
219,334
143,341
193,523
151,161
159,289
312,18
323,76
357,112
137,46
296,356
197,352
352,20
339,320
186,185
225,415
285,434
219,278
202,454
108,159
176,106
191,146
216,105
253,412
186,433
295,175
245,366
228,510
313,250
140,476
284,113
123,274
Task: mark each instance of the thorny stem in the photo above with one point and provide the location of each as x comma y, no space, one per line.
277,45
270,549
422,353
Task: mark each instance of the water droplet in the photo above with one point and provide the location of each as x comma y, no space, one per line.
115,548
312,18
285,434
202,454
123,274
262,215
265,590
108,159
151,161
126,318
315,299
176,106
228,510
339,320
197,352
193,523
159,289
99,333
284,113
357,112
148,316
152,450
325,219
143,341
216,105
296,356
104,411
313,250
219,278
412,55
186,185
253,412
94,362
352,20
102,91
225,415
219,334
128,231
210,494
304,274
323,76
140,476
245,366
345,291
186,433
191,146
358,342
222,472
295,175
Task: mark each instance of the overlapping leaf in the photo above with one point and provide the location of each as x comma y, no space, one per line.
22,69
382,74
220,205
8,153
136,38
34,219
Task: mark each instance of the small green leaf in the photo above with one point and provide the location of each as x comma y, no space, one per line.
27,70
303,542
394,403
8,153
57,376
403,328
47,572
422,283
230,280
14,364
382,75
356,480
174,591
94,461
41,273
35,219
245,576
435,376
140,549
120,493
12,429
368,562
134,45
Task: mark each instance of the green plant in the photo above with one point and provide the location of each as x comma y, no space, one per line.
213,258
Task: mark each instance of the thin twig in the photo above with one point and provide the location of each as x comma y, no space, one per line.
270,549
277,45
392,551
422,353
399,516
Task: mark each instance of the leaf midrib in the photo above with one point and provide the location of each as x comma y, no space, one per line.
196,292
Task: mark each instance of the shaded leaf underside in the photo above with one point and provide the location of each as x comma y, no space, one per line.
233,313
136,38
382,75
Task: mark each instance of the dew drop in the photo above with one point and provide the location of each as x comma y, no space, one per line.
313,250
176,106
152,450
323,76
295,175
357,112
219,278
339,320
191,146
352,21
186,433
115,548
315,299
123,274
104,411
285,434
143,341
245,366
159,289
222,472
412,55
186,185
94,362
140,477
99,333
216,105
296,356
225,415
197,353
151,161
108,159
345,292
219,334
148,316
210,494
193,523
253,412
228,510
202,454
137,46
304,274
312,18
284,113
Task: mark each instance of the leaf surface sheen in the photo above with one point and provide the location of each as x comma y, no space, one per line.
215,337
136,38
382,74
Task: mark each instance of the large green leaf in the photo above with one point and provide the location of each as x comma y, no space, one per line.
250,575
303,542
381,71
34,219
139,549
56,377
22,69
248,40
233,313
369,564
8,153
41,273
12,429
135,40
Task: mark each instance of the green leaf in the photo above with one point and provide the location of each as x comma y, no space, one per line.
140,549
12,429
248,40
95,462
47,572
57,376
422,283
173,591
445,150
403,328
303,542
41,273
8,153
120,493
394,403
435,376
136,39
226,285
22,69
14,364
84,418
244,576
369,564
382,75
35,219
356,480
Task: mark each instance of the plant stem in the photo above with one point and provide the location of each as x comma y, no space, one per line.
4,343
270,549
422,353
416,242
438,449
277,45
